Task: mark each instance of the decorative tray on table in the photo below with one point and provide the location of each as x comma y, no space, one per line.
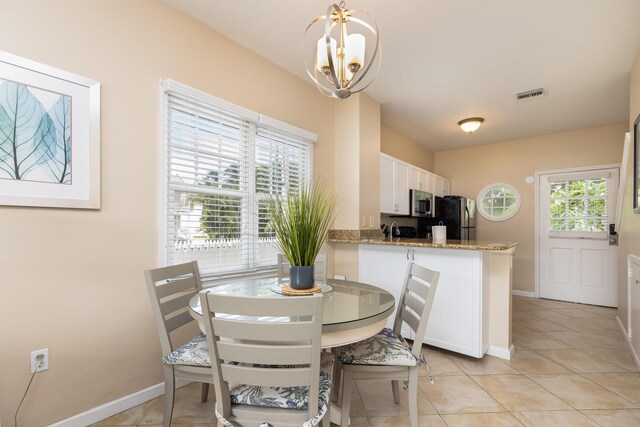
286,289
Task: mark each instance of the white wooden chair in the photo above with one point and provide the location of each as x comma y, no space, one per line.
267,360
170,289
319,270
387,355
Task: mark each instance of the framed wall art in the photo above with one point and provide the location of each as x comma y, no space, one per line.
49,136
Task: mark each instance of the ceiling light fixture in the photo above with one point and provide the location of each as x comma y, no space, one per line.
471,124
339,54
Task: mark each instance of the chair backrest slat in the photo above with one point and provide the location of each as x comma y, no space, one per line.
262,332
267,331
182,284
273,377
283,355
175,304
422,282
270,306
413,303
169,291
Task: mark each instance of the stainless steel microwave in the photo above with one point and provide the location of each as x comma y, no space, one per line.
420,203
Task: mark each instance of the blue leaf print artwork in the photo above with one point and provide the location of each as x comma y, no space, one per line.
35,144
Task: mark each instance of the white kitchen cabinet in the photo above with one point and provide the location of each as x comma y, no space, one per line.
394,186
419,179
441,186
459,317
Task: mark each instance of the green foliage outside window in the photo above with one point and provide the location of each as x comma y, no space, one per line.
579,205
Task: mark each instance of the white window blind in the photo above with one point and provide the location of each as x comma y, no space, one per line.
222,162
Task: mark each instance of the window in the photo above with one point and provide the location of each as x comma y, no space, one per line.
498,202
578,205
221,164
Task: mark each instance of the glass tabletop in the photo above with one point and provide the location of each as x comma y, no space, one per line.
348,302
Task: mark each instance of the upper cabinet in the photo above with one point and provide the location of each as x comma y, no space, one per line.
394,186
398,177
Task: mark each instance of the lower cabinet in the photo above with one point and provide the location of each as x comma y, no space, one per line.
459,318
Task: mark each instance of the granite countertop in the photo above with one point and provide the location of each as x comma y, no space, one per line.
427,243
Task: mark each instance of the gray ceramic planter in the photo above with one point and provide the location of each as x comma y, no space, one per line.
301,276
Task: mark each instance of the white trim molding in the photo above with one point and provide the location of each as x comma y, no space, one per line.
114,407
636,359
501,352
527,294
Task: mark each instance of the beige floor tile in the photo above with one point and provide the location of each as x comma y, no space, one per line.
439,364
589,340
519,393
581,393
488,365
480,420
405,421
458,394
359,422
378,401
551,314
541,325
618,356
187,408
547,303
357,407
580,362
591,325
626,385
517,328
539,340
554,418
529,362
618,418
130,417
577,313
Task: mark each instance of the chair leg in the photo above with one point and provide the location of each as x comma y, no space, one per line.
347,386
395,388
169,394
413,396
337,373
205,392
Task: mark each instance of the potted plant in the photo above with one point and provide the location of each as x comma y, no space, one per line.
300,222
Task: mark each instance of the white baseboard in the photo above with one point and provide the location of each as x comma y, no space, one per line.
636,359
523,293
114,407
501,352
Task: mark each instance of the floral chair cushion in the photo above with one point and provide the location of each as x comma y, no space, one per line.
286,397
193,353
384,348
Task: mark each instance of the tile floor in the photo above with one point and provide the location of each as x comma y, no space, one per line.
571,368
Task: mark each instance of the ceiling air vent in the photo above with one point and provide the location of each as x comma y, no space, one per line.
531,94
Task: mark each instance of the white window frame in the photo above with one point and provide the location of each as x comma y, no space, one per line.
257,120
483,193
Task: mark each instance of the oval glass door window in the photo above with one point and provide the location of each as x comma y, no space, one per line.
498,202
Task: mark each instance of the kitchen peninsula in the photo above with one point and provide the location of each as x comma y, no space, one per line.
471,312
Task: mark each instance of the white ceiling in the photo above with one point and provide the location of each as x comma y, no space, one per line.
447,60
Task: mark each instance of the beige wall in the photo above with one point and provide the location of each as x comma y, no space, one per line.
71,280
471,169
396,145
629,239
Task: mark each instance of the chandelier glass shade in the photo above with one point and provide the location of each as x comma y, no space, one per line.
339,50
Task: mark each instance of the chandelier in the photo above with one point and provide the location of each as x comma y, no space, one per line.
341,56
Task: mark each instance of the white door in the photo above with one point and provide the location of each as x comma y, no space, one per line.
576,262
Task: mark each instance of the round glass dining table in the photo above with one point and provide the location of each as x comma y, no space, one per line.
352,311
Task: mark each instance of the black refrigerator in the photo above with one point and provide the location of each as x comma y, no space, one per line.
459,215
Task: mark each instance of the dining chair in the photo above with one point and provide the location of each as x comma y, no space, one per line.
268,368
170,289
387,355
319,270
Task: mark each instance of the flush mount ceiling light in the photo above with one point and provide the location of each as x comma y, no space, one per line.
471,124
340,54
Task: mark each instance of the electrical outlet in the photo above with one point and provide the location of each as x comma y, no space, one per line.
40,360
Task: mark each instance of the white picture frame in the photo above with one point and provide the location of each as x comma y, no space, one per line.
49,136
